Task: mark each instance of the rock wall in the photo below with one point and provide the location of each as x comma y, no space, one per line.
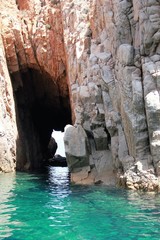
110,50
8,130
114,47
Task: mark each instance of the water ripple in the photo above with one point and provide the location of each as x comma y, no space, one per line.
45,206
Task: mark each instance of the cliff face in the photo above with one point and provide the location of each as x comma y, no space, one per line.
104,58
32,36
8,130
114,48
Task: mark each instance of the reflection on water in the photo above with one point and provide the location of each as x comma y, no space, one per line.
148,203
7,185
144,200
20,191
59,175
146,217
45,206
58,178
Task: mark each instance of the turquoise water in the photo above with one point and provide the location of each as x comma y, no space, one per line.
45,207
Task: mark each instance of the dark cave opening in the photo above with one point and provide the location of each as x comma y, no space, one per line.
41,106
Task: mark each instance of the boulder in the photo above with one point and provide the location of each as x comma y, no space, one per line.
76,147
52,147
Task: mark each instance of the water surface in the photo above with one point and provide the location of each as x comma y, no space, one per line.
44,206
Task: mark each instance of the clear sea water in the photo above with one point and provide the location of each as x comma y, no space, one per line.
45,206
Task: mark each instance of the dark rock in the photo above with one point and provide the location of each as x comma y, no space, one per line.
52,147
57,160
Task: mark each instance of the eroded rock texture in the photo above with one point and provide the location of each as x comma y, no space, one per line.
114,47
105,57
32,36
8,130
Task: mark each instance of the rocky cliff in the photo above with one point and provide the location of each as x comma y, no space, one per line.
95,60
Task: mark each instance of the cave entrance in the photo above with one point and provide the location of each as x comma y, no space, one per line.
41,106
58,136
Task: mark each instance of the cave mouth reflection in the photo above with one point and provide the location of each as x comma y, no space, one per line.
41,106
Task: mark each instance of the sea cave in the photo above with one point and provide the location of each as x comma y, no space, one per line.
41,106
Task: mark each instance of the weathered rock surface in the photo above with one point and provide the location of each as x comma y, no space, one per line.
105,57
32,35
8,130
76,148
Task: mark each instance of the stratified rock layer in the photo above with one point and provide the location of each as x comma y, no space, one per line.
105,56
